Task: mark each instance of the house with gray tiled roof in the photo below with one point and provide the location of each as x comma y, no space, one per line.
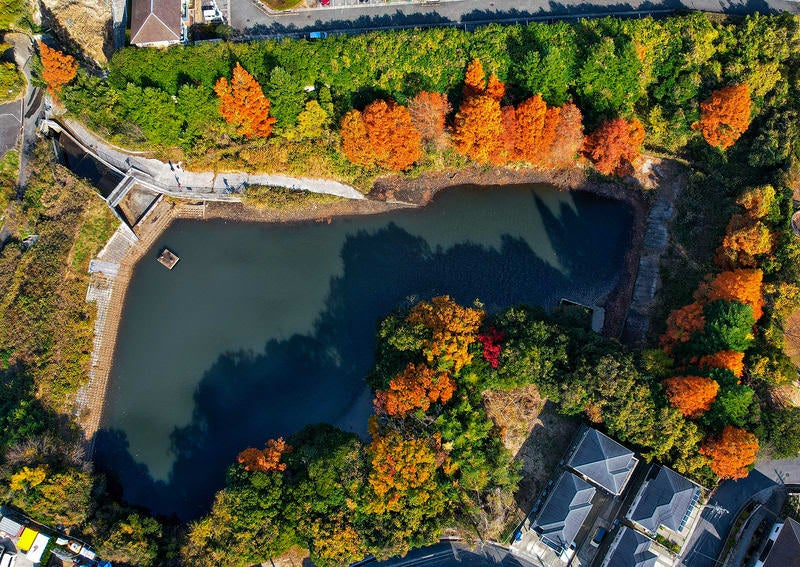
564,511
633,549
155,22
783,546
602,461
665,500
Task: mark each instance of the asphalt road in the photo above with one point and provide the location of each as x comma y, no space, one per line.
9,125
453,554
343,16
712,529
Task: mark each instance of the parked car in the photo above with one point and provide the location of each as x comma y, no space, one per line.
211,13
317,35
325,2
599,534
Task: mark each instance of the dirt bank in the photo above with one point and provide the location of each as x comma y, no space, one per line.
631,191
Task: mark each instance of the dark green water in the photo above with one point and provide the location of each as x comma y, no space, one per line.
262,329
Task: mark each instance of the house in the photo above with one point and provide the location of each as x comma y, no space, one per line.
667,503
602,461
155,23
633,549
564,512
783,546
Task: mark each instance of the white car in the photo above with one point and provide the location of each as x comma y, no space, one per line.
211,13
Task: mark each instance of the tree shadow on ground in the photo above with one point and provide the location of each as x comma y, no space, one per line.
245,398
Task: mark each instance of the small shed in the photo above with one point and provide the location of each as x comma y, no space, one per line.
168,258
26,539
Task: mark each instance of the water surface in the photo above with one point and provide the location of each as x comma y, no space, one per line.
262,329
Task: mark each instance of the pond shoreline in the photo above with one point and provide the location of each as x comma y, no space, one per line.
388,194
420,191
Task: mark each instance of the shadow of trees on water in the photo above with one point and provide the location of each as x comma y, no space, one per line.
245,398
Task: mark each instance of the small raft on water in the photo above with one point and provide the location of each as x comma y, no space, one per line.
168,258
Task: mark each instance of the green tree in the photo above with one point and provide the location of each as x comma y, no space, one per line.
286,96
132,541
608,81
729,326
312,122
783,432
550,72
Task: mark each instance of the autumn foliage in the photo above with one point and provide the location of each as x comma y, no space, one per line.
452,328
491,340
682,323
743,286
402,471
243,104
614,146
416,387
725,115
568,138
382,135
731,453
267,459
428,112
58,69
744,239
727,359
692,395
479,129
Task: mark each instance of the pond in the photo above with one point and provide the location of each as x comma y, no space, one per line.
262,329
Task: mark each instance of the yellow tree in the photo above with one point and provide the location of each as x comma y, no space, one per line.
452,328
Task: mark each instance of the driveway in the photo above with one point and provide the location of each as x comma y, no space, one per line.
343,16
9,125
454,554
715,521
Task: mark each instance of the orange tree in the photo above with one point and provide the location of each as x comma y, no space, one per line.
692,395
737,285
58,69
614,146
725,115
267,459
416,387
731,453
728,359
243,104
478,130
382,135
568,138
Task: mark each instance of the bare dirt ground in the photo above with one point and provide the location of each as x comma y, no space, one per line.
85,24
532,430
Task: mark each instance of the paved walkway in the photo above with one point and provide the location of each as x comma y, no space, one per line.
250,16
173,180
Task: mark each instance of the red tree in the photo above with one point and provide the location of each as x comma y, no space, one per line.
725,115
491,340
243,104
614,146
731,453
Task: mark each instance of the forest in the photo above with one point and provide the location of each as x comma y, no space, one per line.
717,95
354,107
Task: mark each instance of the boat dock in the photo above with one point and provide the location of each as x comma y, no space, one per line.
168,258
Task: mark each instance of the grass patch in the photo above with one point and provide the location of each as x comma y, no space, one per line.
280,199
281,4
12,82
97,227
9,169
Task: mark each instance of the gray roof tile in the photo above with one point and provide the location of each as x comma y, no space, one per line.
632,549
786,549
565,510
665,501
603,461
